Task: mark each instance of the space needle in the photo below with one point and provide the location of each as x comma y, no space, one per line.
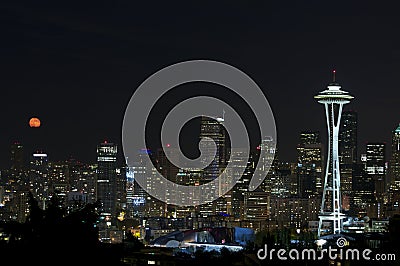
333,98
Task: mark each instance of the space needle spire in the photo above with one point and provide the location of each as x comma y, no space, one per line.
333,98
334,75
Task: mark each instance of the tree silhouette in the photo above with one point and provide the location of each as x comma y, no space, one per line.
54,235
132,243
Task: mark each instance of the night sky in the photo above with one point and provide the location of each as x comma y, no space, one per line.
75,65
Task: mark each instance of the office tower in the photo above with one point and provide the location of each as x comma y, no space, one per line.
164,166
17,182
58,179
106,179
17,156
282,177
269,145
376,167
289,170
376,158
38,177
309,164
143,203
82,179
394,167
22,205
278,180
241,187
348,137
120,191
141,168
213,134
13,183
130,192
291,212
212,131
188,177
363,190
348,155
256,205
333,99
2,196
169,170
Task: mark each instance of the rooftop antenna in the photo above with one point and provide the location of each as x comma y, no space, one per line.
334,75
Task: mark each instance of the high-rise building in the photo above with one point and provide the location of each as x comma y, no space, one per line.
348,151
333,99
362,190
256,205
271,160
213,135
130,192
291,212
59,179
376,158
166,168
143,203
309,164
169,170
38,177
17,182
107,178
17,156
394,167
241,187
83,179
188,177
120,191
376,167
348,137
141,169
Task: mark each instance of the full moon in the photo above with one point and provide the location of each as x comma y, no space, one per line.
34,122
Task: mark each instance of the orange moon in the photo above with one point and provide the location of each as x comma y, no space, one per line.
34,122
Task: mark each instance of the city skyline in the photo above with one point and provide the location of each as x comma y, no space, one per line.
77,71
29,148
219,132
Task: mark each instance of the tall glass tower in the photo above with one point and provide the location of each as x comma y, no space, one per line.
394,167
309,164
17,156
333,99
213,129
348,150
106,178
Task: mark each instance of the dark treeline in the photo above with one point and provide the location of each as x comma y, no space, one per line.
53,236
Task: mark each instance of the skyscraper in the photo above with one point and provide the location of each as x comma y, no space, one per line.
164,166
107,178
348,151
129,187
333,98
394,167
362,190
376,167
17,156
213,131
139,170
348,137
269,145
145,204
38,177
309,164
241,187
213,134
